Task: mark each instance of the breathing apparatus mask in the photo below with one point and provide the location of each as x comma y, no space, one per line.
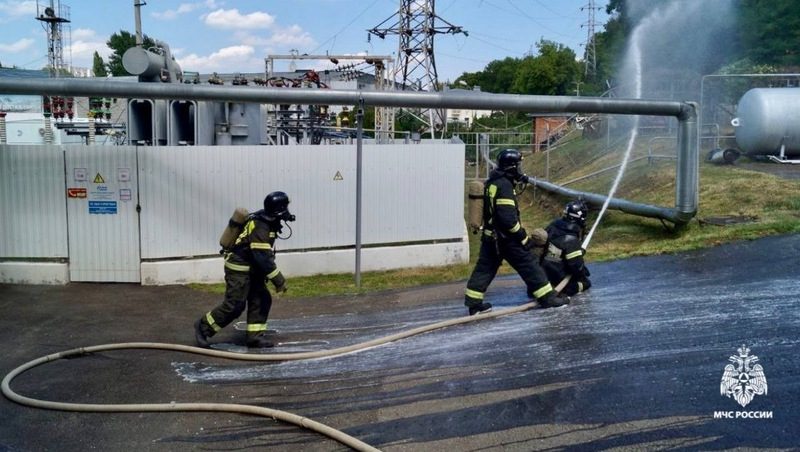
276,208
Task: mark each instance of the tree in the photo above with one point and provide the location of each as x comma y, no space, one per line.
99,66
119,43
770,31
499,75
553,71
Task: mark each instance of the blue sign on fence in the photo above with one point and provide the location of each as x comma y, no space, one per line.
100,207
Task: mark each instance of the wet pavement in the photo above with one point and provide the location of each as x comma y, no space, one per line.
636,363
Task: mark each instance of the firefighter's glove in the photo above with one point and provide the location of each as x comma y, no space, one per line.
280,283
538,237
527,243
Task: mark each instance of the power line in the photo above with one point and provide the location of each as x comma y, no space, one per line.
333,38
495,45
462,58
536,21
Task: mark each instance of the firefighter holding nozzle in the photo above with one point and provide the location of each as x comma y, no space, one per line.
504,238
562,254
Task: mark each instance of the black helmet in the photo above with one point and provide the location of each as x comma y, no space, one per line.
576,211
508,161
276,206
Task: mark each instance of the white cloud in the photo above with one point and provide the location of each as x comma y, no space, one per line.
82,34
16,8
241,58
83,52
183,8
279,40
292,36
18,46
233,19
85,43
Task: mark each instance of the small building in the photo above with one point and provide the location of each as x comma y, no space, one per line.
548,128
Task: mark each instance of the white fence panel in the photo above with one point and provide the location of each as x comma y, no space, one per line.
413,193
33,219
410,193
103,223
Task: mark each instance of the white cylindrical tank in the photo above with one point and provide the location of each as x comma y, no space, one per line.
768,119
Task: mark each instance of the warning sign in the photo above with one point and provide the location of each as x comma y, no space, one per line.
99,179
76,192
338,176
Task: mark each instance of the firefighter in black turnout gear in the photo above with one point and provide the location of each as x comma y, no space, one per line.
563,255
503,237
249,266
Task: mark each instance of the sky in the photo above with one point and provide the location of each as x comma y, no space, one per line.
236,35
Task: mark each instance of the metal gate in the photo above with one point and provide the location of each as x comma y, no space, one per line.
102,215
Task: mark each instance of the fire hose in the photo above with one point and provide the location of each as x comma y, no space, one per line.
284,416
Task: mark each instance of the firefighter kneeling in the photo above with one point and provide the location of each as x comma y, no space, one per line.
562,254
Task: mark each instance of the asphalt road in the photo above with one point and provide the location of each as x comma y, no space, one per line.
636,363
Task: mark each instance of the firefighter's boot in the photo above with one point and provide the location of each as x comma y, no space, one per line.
480,308
553,300
201,334
259,341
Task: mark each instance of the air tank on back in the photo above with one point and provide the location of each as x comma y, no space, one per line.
769,121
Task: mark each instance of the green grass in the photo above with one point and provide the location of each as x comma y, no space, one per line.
724,191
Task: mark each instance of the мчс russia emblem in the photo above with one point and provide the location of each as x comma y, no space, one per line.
744,378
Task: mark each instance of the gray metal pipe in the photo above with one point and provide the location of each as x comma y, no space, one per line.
688,167
359,185
644,210
414,99
686,183
686,197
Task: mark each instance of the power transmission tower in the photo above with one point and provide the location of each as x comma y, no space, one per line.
53,18
416,23
590,55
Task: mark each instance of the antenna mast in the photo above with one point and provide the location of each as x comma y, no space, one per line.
53,17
